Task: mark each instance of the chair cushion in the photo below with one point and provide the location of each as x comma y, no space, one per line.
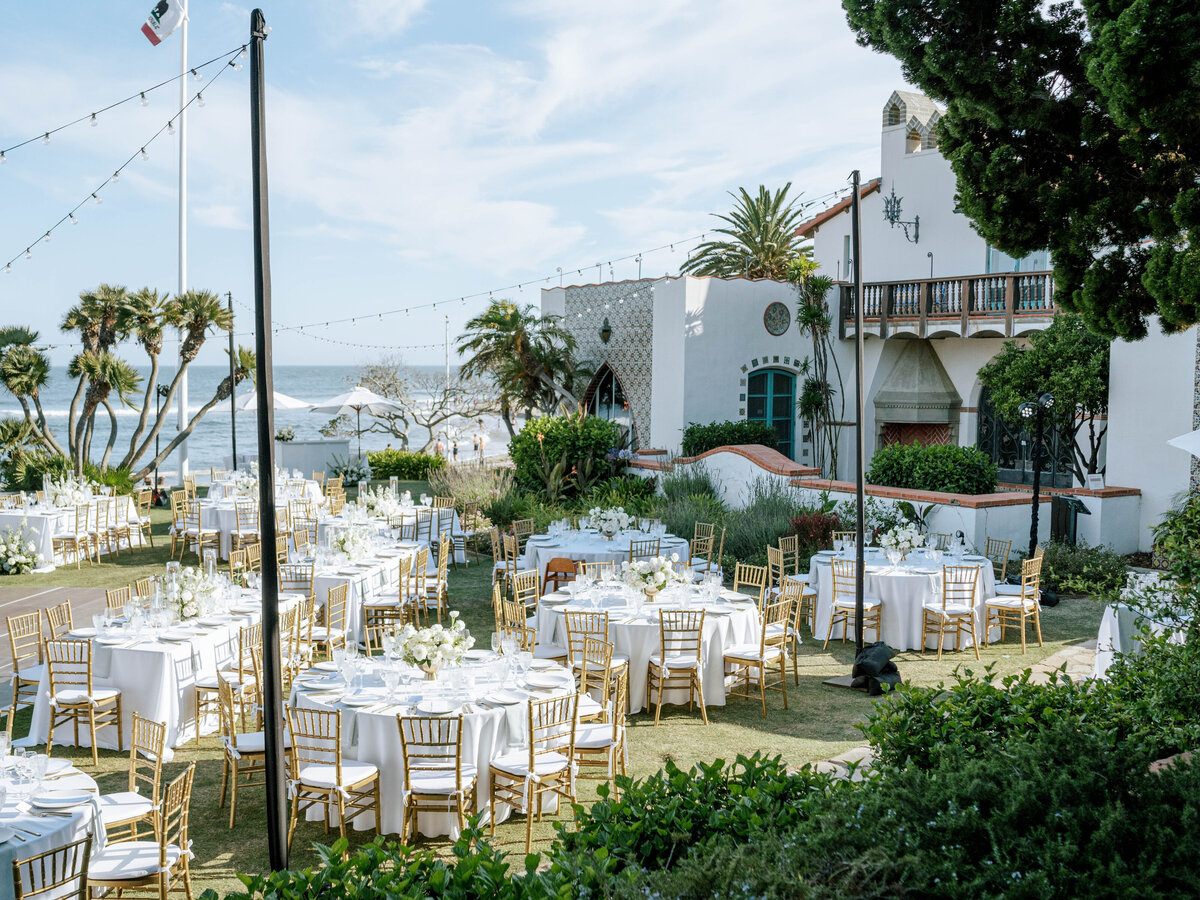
675,661
951,609
617,661
868,603
1008,590
803,579
440,782
549,651
593,735
32,673
751,651
321,633
323,776
212,680
74,695
129,861
123,807
516,763
589,707
1012,602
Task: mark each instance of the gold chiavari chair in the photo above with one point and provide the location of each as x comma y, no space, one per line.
470,531
442,503
425,523
751,581
843,610
417,576
335,503
523,777
126,814
25,642
776,570
333,633
60,873
143,588
321,776
74,699
954,611
244,753
299,509
120,527
403,527
677,664
789,544
240,675
335,483
939,540
597,569
239,566
582,625
189,486
195,533
1015,605
512,559
152,865
246,529
647,549
595,674
282,541
752,663
499,567
435,777
77,539
700,554
527,592
436,585
998,552
848,536
144,501
178,516
498,608
522,530
215,474
253,557
117,599
803,607
600,745
319,478
59,621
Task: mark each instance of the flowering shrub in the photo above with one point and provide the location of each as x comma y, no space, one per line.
436,645
902,538
814,530
650,574
609,521
18,554
352,469
563,456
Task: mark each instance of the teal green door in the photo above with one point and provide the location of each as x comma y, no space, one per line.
771,398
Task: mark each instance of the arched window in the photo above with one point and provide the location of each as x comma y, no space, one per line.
771,398
606,398
1011,449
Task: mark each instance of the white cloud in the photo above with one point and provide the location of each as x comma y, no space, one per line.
382,18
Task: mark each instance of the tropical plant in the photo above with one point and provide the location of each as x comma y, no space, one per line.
760,238
1069,362
529,357
822,396
1069,130
563,456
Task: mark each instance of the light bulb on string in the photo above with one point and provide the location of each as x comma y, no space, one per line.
3,158
171,127
46,237
95,121
46,138
145,99
28,253
97,199
116,177
243,54
196,75
74,221
8,269
145,155
237,66
200,99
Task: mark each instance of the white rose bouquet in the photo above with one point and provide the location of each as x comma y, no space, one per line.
609,521
435,646
379,502
18,552
650,574
354,541
67,491
244,484
192,593
902,538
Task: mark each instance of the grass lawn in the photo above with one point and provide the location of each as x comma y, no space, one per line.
819,723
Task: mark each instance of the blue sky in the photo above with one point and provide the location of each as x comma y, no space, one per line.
419,150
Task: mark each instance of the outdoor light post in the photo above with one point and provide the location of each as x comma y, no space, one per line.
1036,410
860,437
159,394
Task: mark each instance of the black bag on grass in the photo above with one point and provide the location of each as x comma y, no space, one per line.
873,668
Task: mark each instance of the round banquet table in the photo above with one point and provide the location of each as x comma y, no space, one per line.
228,490
634,631
495,721
25,833
903,589
590,546
328,526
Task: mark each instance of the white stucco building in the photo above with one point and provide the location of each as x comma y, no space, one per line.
939,303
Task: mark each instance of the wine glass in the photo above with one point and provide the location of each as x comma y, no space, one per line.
391,678
497,638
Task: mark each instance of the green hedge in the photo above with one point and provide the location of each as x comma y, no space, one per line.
563,456
698,438
404,465
936,467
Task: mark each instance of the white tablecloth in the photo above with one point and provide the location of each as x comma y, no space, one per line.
222,490
371,733
329,526
156,678
581,546
44,522
39,834
368,579
635,635
904,589
1121,632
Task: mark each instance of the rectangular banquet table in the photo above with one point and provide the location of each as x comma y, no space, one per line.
44,522
370,579
156,677
327,527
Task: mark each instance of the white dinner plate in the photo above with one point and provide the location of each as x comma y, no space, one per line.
720,610
544,681
326,666
435,707
545,665
368,698
975,558
555,601
6,834
83,633
218,619
479,654
111,641
177,634
60,799
54,766
504,698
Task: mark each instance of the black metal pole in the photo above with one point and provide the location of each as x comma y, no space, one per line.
1038,431
232,381
860,437
272,681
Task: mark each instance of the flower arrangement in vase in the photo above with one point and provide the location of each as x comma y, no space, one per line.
192,592
353,541
610,521
650,575
18,553
431,648
901,539
379,502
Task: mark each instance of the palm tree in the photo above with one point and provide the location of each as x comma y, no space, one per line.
98,319
760,238
105,372
530,357
143,317
24,371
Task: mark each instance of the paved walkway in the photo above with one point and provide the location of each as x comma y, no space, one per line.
85,603
1079,660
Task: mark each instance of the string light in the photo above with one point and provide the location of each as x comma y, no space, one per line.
145,155
116,176
243,54
97,199
8,269
28,253
46,237
95,121
171,125
200,99
92,118
74,221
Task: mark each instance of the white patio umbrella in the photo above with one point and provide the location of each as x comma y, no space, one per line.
356,401
281,401
1189,442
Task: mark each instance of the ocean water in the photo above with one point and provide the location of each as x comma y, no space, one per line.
210,442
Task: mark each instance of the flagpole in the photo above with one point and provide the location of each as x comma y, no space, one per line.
183,99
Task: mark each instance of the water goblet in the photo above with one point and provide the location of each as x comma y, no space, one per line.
497,638
524,661
508,645
37,767
391,678
3,747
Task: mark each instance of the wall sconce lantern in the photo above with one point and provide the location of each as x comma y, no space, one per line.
605,331
892,213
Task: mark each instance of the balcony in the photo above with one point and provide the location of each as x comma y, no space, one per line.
1005,305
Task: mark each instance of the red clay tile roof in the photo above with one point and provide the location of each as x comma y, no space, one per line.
807,229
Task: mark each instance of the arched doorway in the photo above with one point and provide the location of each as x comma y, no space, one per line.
1011,449
771,398
605,398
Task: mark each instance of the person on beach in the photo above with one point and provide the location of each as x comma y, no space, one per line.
439,448
482,444
454,449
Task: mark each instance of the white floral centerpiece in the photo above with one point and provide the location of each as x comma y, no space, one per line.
243,484
18,553
379,502
431,648
354,541
609,521
67,491
902,538
650,575
192,592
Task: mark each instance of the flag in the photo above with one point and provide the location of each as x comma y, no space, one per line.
163,19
